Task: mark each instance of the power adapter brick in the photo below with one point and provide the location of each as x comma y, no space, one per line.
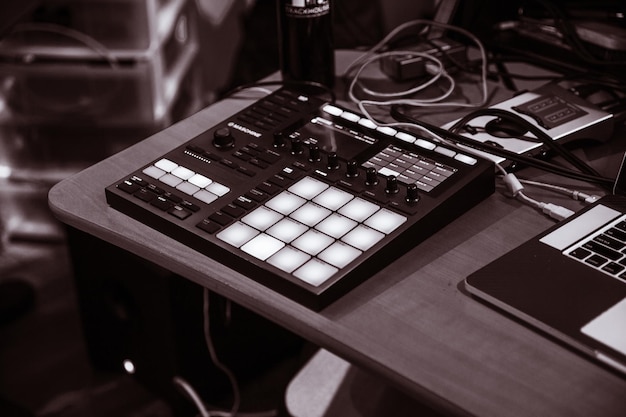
407,67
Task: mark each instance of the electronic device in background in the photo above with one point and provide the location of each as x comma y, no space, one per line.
560,114
303,196
450,52
410,67
579,36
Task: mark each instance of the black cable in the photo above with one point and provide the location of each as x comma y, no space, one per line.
563,22
542,136
397,114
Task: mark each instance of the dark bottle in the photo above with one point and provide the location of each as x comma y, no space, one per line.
306,41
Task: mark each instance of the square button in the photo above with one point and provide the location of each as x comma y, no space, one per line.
310,214
153,172
166,165
333,198
237,234
315,272
336,225
313,242
187,188
200,181
287,230
308,187
362,237
170,180
183,173
205,196
288,259
385,221
339,254
262,218
262,246
217,189
285,202
359,209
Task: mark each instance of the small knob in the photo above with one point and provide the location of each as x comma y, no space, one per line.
314,153
352,169
412,195
223,138
296,147
279,140
392,185
333,161
371,176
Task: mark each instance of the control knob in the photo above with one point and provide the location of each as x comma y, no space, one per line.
314,153
296,147
392,185
333,161
412,195
223,138
371,176
279,140
352,169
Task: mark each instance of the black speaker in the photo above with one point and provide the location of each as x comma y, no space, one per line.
135,312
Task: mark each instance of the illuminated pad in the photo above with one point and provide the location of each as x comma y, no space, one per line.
311,230
186,180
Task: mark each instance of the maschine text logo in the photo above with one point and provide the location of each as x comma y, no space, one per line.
244,129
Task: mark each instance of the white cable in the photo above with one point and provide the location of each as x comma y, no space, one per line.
192,394
367,58
574,194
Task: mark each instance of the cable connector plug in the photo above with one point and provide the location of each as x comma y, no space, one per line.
556,212
586,198
512,184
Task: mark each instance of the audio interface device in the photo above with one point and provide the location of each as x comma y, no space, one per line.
558,113
302,195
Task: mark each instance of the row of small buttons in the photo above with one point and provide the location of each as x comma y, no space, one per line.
406,137
605,251
158,197
410,168
186,180
252,153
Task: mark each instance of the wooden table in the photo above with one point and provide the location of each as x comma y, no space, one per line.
412,323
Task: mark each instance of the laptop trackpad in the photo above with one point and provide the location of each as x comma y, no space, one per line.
608,327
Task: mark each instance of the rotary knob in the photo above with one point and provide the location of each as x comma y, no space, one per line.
223,138
392,185
371,176
279,140
412,195
296,147
314,153
333,161
352,169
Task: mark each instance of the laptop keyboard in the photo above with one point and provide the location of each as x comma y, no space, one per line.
605,249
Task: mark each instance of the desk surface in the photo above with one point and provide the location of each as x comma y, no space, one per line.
412,323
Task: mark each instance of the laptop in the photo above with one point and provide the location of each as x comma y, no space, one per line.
569,281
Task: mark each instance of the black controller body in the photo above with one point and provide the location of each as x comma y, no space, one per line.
303,196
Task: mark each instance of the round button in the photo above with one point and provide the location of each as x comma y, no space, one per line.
223,138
